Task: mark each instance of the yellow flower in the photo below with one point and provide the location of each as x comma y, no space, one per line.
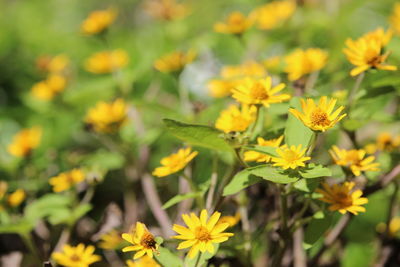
111,240
79,256
379,35
47,89
387,142
259,92
166,9
319,117
175,162
394,227
175,61
233,119
107,61
249,68
260,157
342,199
354,159
144,261
16,198
231,220
301,62
98,21
201,232
66,180
107,117
340,95
25,141
270,15
236,23
56,64
290,157
220,88
394,19
142,240
366,53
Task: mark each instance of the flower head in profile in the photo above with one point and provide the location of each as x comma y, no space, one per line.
259,92
236,23
175,61
143,242
79,256
379,35
319,117
387,142
261,157
49,88
107,117
234,119
16,198
301,62
272,14
394,19
231,220
166,9
342,198
25,141
107,61
290,157
175,162
98,21
66,180
201,233
111,240
367,53
53,64
354,159
144,261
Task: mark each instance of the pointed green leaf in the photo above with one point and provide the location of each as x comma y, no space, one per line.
178,198
167,258
314,171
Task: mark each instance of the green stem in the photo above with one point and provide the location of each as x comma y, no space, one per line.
353,93
313,143
285,233
31,246
198,260
194,189
254,126
239,158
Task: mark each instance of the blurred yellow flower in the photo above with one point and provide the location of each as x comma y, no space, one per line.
175,162
144,261
261,157
47,89
76,256
107,61
261,92
301,62
319,117
166,9
98,21
272,63
142,240
340,95
249,68
271,15
25,141
234,119
379,35
16,198
290,157
394,227
387,142
342,199
236,23
66,180
366,53
107,117
394,19
220,88
56,64
111,240
175,61
354,159
231,220
201,233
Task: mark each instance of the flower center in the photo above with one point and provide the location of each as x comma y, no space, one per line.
75,258
148,241
375,60
344,199
319,117
291,156
202,234
258,92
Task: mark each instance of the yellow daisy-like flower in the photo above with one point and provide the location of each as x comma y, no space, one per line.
394,19
366,53
175,162
49,88
175,61
79,256
233,119
98,21
259,92
231,220
25,141
66,180
201,232
16,198
260,157
236,23
379,35
107,117
290,157
249,68
144,261
111,240
107,61
301,62
142,240
166,9
342,199
354,159
320,117
387,142
271,15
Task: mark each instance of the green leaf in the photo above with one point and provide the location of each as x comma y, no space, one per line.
105,159
240,181
315,230
21,227
167,258
359,255
315,171
296,132
198,135
269,150
353,124
178,198
204,257
306,185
